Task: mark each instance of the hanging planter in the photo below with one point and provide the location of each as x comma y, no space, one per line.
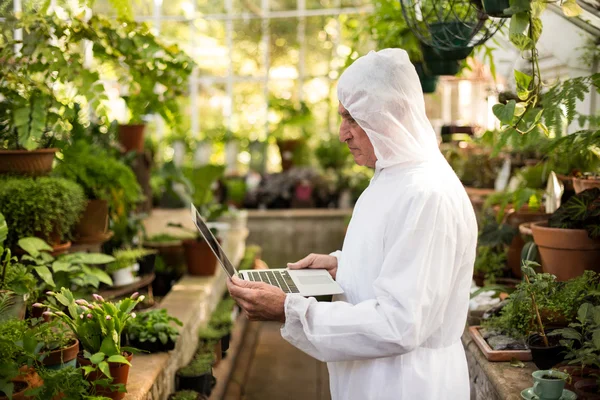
497,8
428,81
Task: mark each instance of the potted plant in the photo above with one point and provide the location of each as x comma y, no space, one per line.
210,339
583,351
98,325
109,186
222,322
569,243
585,182
19,352
53,208
291,131
124,265
197,375
152,331
65,383
171,187
60,348
186,395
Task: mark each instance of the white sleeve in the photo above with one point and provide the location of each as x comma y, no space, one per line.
412,291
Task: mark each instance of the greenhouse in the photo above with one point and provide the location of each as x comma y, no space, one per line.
299,199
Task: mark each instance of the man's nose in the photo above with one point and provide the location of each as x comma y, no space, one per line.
344,133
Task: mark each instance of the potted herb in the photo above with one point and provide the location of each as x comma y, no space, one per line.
197,375
125,264
60,348
53,207
109,186
98,325
186,395
210,339
569,243
152,331
65,383
583,346
221,321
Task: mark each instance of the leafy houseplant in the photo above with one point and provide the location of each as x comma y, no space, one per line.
171,188
109,185
98,326
123,266
569,243
60,348
152,331
45,207
68,382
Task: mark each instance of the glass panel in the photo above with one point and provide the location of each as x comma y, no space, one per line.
177,33
321,33
282,89
178,7
282,5
248,53
210,6
249,110
209,49
313,4
212,101
252,7
354,3
142,8
284,48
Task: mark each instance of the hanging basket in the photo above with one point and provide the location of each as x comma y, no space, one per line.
428,81
449,24
496,8
441,62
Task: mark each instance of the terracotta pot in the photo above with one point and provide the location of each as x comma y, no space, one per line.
23,162
287,148
479,278
584,184
218,353
62,358
119,373
200,259
131,137
27,380
172,253
587,389
17,307
514,219
566,253
567,181
576,373
57,249
94,221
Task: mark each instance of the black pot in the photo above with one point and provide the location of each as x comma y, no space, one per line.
156,347
163,282
147,264
198,397
545,357
225,342
202,384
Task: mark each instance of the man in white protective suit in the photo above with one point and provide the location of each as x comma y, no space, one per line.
407,260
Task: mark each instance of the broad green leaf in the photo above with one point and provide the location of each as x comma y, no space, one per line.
99,274
88,369
596,338
45,274
104,368
523,81
521,41
62,299
3,230
537,8
62,266
97,358
505,112
570,8
89,258
118,359
585,312
520,108
109,345
516,363
519,23
536,29
7,387
34,246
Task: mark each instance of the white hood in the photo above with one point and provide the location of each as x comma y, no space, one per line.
383,94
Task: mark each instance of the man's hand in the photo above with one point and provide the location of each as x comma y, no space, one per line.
260,301
317,261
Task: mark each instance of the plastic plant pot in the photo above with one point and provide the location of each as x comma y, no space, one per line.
201,383
428,82
545,357
495,8
156,347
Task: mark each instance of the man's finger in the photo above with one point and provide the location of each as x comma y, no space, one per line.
246,284
304,263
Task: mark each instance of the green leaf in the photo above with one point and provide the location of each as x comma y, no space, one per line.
45,274
537,8
109,345
505,112
105,368
519,23
570,8
118,359
62,266
99,274
97,358
523,81
516,363
88,258
596,338
88,369
3,230
34,246
62,299
536,29
585,312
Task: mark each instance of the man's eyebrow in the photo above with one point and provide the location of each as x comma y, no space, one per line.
344,113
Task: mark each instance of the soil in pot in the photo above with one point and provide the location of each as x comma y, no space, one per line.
545,357
18,391
200,259
131,137
119,373
566,253
94,221
587,389
62,358
23,162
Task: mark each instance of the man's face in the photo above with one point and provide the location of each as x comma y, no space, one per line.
357,140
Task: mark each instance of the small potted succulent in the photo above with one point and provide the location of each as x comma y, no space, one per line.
98,325
126,262
54,206
152,331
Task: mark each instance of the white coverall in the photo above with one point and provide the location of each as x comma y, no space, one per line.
407,260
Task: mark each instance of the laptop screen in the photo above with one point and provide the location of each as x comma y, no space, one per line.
212,242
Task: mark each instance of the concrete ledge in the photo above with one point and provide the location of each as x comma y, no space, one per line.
191,300
494,380
300,213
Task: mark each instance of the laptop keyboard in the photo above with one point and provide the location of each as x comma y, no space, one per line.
281,279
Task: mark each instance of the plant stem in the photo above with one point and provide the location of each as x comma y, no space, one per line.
537,314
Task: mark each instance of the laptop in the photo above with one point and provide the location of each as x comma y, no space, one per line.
306,282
